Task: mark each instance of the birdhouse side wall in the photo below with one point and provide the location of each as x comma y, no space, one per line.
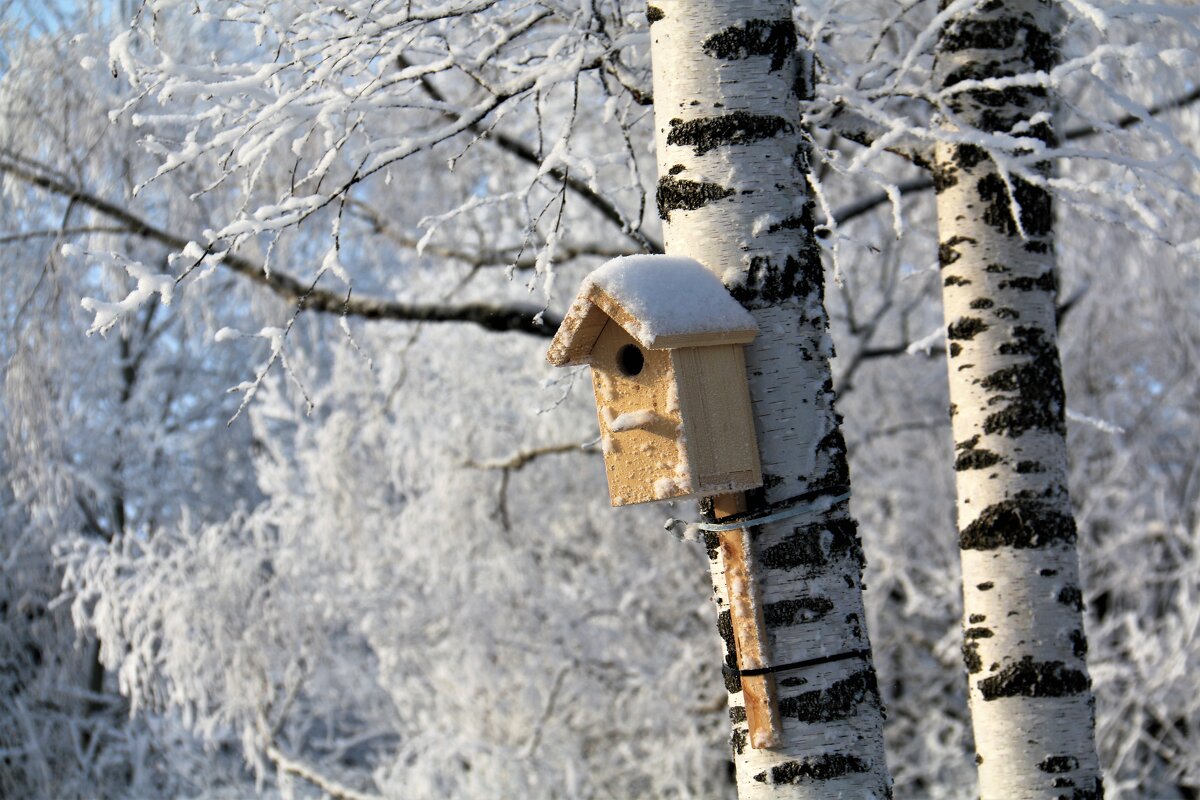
640,427
718,423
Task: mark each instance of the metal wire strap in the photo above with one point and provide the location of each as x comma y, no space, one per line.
813,507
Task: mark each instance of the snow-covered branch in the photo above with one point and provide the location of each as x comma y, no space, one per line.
493,318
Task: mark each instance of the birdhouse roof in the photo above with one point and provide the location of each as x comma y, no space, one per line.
664,302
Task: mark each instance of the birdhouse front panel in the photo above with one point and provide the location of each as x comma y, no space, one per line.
718,424
640,425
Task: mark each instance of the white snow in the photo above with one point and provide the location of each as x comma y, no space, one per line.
631,420
927,342
669,296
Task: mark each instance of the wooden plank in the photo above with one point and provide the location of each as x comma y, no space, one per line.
749,632
718,420
575,339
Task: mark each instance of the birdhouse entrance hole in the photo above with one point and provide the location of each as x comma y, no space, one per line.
630,360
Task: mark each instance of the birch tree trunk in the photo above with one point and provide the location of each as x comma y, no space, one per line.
732,194
1024,644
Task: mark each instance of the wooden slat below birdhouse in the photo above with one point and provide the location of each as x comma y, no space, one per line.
759,692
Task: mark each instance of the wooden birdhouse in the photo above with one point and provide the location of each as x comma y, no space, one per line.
664,339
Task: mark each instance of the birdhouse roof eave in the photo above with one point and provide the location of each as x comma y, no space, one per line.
663,302
585,320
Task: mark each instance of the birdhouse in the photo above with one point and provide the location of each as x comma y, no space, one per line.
665,342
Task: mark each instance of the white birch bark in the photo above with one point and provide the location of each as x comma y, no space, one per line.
1024,646
733,195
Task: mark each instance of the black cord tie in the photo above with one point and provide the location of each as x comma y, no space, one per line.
811,662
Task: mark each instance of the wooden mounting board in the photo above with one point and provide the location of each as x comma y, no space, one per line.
749,632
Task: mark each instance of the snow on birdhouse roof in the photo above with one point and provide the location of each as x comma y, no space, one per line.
664,302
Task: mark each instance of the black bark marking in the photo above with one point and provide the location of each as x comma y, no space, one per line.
1045,282
1071,597
833,447
976,459
1038,47
732,678
948,250
785,612
1047,573
793,681
728,129
1029,678
840,701
737,714
768,284
1020,523
712,545
975,619
685,195
995,268
1005,312
821,768
1036,398
675,170
791,223
968,156
955,280
985,586
812,548
1025,340
981,303
1079,645
1026,467
737,741
945,176
955,349
978,633
971,659
654,14
1056,765
725,629
1036,208
965,328
758,37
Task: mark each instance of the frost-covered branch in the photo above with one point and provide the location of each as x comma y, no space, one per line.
918,185
301,770
493,318
520,459
524,152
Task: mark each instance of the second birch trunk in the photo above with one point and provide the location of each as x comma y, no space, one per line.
1024,643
